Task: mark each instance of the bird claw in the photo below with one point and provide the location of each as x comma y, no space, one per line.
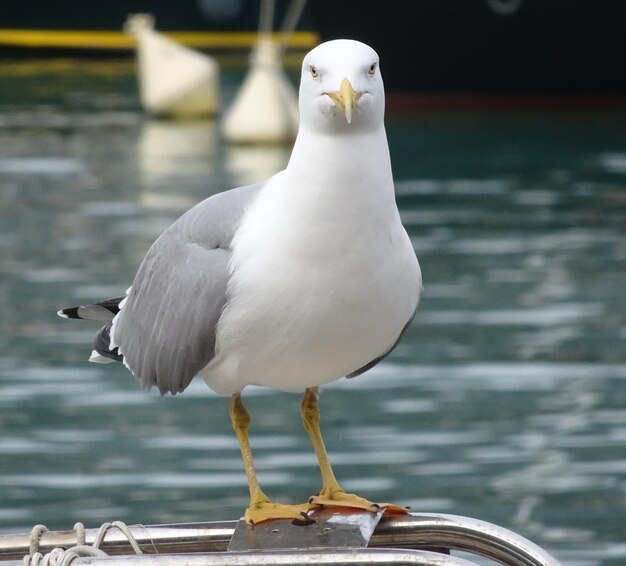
304,521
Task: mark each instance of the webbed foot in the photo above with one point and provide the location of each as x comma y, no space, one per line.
267,511
339,498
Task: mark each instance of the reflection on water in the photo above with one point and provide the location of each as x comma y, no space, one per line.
171,156
250,164
179,163
504,402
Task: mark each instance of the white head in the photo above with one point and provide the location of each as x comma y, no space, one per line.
341,88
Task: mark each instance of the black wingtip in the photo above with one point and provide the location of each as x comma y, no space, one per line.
71,312
102,310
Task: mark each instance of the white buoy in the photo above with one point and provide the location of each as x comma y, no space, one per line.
266,107
174,81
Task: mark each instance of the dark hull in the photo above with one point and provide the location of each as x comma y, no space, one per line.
184,15
542,47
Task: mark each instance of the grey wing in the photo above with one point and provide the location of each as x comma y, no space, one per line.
166,328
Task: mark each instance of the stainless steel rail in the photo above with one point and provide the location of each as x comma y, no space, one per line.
153,539
318,557
415,531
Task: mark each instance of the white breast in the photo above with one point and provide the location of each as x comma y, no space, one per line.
323,281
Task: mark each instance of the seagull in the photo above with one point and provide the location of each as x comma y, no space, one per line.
290,283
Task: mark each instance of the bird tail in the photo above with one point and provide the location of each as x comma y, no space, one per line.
104,311
103,353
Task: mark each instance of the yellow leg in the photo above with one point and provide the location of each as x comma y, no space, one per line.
331,493
261,508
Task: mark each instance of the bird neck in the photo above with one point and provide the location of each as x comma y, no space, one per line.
348,159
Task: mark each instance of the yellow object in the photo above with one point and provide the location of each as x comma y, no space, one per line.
331,492
116,40
261,508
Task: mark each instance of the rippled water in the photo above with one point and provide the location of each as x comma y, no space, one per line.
505,401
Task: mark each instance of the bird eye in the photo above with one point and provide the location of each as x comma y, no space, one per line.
372,69
314,72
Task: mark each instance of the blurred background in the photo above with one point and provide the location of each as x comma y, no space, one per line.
507,129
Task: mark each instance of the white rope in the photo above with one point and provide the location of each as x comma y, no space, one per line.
61,557
266,17
290,23
79,529
106,527
64,557
35,537
292,17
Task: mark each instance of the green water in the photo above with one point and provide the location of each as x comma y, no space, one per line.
505,401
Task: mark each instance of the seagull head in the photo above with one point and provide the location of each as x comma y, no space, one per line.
341,87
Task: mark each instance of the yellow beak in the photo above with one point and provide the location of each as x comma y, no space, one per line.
346,98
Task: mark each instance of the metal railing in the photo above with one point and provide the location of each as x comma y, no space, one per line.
396,540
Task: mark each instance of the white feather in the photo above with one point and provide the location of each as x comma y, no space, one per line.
98,359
